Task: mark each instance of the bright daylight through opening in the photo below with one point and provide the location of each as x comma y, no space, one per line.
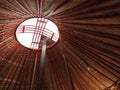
31,32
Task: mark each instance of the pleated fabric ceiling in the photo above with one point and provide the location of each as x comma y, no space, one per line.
86,57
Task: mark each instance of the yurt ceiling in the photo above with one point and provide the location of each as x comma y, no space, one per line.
86,57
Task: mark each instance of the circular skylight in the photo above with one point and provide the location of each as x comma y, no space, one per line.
33,31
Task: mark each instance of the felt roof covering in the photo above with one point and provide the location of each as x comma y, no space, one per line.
87,56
